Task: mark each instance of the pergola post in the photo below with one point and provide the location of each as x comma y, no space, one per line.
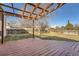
33,28
2,41
2,25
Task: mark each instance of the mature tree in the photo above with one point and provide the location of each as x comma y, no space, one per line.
43,23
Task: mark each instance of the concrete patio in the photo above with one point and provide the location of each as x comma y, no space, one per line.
38,47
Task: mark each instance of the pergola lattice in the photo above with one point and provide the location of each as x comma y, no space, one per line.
43,10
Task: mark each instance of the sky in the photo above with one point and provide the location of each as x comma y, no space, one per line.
65,13
70,11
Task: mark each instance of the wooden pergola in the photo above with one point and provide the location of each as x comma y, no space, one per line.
32,15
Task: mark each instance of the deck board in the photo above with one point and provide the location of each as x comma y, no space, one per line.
38,47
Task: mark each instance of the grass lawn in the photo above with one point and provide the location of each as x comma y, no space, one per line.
17,37
43,36
54,35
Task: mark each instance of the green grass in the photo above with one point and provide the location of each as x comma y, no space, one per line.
55,38
17,37
43,37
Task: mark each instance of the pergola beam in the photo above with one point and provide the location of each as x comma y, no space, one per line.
34,8
15,8
24,8
43,10
37,7
49,5
59,5
14,14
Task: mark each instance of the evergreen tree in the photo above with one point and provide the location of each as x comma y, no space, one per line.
69,26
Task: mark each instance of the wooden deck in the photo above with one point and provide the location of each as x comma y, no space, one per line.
38,47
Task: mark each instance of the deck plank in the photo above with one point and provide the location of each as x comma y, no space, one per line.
38,47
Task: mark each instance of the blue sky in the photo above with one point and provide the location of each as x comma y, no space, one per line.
67,12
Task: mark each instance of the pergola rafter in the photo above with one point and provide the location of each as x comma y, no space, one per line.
37,7
58,6
34,8
15,8
14,14
24,8
42,12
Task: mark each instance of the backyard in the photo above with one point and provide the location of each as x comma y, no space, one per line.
32,29
43,36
